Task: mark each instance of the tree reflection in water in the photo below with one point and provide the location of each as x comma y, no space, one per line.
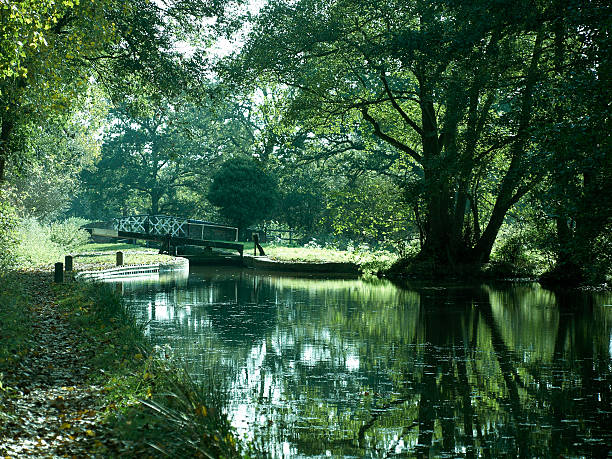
364,368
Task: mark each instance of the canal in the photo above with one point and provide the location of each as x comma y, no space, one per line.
366,368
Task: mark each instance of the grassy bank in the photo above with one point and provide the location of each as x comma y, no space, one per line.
368,261
102,256
151,404
142,404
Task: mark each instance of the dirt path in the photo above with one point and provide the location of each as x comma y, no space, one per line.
55,413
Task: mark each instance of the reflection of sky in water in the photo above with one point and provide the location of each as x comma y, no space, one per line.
309,362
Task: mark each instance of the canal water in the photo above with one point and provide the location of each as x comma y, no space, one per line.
318,367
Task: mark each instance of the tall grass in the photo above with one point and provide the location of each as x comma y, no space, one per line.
41,244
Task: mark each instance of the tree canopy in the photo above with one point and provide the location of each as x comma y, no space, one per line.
448,122
244,192
51,51
453,89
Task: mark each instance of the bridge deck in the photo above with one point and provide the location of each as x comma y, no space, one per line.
177,241
172,240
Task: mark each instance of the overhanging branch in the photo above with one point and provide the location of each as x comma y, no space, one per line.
381,135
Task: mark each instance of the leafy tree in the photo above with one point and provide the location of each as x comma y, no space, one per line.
61,149
146,160
576,196
51,51
303,199
452,87
8,232
244,193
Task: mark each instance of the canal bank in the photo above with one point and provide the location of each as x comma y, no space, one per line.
79,379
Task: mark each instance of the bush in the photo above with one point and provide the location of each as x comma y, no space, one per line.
516,255
68,234
35,247
599,267
8,233
42,244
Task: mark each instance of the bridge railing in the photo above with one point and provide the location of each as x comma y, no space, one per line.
163,225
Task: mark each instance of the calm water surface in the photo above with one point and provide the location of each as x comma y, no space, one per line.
364,368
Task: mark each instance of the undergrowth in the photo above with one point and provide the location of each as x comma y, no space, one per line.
41,244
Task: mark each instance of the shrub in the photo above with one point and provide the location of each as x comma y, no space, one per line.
8,233
35,246
41,244
68,234
516,254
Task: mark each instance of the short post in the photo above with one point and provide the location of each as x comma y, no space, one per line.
119,258
68,262
257,246
59,273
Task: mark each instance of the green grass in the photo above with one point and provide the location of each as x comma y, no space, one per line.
151,405
95,256
106,246
368,261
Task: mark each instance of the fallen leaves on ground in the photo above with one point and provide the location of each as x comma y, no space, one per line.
50,408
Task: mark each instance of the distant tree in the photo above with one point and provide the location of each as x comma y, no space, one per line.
146,160
244,192
162,160
303,202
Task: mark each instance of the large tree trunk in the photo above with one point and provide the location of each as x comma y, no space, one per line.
438,237
155,202
511,190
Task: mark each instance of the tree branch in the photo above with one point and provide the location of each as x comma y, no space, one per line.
381,135
399,109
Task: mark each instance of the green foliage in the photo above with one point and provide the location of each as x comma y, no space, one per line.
40,244
51,52
68,234
444,97
35,245
141,388
8,232
599,269
370,209
24,30
518,251
244,193
303,199
48,181
159,161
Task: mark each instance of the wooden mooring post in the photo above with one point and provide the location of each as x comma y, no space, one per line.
257,246
59,273
119,258
68,262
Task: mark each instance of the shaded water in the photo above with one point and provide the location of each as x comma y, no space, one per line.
360,368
